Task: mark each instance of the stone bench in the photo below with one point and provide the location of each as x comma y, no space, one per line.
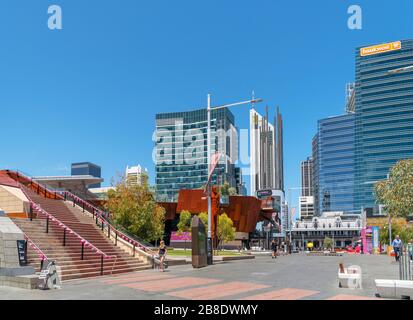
394,289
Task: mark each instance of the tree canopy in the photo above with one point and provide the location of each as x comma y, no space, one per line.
225,229
396,193
227,190
133,207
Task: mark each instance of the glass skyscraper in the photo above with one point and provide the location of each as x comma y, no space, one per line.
181,150
384,115
333,164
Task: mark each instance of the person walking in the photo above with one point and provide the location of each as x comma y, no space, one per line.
274,248
397,247
410,249
162,255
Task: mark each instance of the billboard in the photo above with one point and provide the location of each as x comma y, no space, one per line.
380,48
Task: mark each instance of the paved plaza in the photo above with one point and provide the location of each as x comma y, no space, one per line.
291,277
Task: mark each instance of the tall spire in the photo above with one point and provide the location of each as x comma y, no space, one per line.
253,98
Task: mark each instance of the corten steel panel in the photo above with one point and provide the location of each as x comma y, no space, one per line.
244,211
192,201
170,209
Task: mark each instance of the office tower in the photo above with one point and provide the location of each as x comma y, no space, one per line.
306,207
181,150
136,175
266,145
306,200
350,97
241,189
315,177
87,169
307,177
384,115
334,164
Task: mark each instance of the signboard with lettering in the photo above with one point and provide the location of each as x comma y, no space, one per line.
264,193
380,48
22,252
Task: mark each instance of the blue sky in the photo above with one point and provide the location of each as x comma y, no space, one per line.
90,91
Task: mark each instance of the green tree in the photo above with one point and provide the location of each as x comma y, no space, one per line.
184,224
204,218
133,207
225,229
328,243
396,193
227,190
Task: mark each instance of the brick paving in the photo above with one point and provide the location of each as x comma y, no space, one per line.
163,285
217,291
295,277
283,294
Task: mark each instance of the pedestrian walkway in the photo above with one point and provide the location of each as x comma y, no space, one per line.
294,277
202,288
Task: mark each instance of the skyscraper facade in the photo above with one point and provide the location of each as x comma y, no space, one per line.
87,169
181,150
315,175
334,164
266,145
307,177
306,200
383,115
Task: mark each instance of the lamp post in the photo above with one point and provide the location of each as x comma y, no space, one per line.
209,186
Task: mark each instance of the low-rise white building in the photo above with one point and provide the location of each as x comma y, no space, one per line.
136,175
342,228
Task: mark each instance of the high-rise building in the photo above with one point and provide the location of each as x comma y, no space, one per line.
306,200
266,143
307,177
241,189
315,176
306,207
334,164
87,169
136,175
384,115
181,150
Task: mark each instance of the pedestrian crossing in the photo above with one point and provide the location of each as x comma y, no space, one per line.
202,288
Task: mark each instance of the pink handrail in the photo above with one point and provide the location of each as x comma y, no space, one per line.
63,226
40,253
100,216
99,213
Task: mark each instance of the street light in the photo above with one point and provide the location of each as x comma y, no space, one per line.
399,70
209,186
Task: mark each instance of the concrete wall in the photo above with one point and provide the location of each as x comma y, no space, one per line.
12,200
9,234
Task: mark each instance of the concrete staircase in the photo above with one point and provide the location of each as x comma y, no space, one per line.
68,257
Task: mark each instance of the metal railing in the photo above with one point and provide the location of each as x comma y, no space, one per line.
66,230
36,249
97,214
102,217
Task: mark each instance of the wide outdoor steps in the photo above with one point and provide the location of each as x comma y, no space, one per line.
68,257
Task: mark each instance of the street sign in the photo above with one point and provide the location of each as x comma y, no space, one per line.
264,193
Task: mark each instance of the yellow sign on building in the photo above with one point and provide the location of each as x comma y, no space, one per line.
380,48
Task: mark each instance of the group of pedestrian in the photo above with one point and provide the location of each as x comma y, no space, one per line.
397,245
